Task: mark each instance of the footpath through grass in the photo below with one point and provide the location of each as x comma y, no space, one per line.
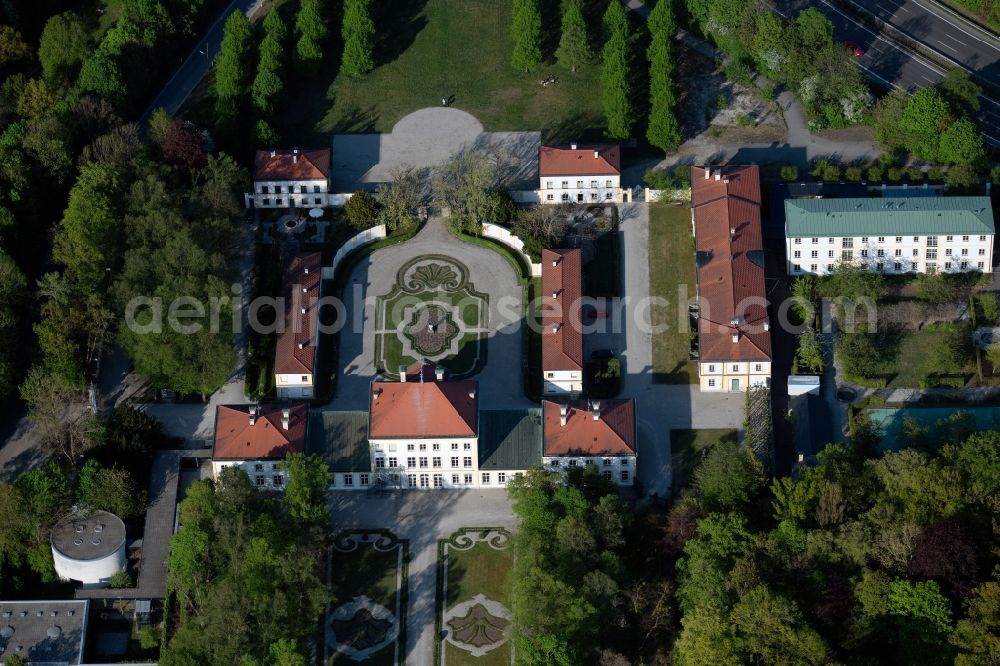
671,266
436,50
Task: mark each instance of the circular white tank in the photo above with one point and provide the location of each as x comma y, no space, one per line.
89,547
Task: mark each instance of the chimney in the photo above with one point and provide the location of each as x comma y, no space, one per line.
306,270
572,146
708,172
736,338
253,414
725,180
285,415
555,294
802,458
718,176
300,345
767,326
732,231
305,290
472,394
303,310
439,374
595,409
295,151
295,159
596,154
555,262
563,414
402,374
555,328
273,153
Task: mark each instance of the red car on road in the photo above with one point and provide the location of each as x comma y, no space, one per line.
855,50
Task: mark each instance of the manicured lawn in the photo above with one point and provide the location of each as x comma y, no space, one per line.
671,265
480,570
919,356
434,50
369,572
687,448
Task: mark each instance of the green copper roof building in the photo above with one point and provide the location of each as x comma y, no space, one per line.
895,216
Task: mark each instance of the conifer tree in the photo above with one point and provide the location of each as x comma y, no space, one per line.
663,130
358,32
573,48
616,91
526,28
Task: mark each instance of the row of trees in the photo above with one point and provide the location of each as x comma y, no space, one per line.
248,570
883,560
617,93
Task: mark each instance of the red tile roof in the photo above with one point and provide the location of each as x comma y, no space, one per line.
562,348
266,438
579,161
424,408
613,433
730,262
302,272
292,164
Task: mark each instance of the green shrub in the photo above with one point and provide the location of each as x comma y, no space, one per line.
855,174
121,580
995,175
988,307
789,173
149,638
875,173
362,210
721,102
942,381
738,72
867,382
915,174
895,174
743,120
935,175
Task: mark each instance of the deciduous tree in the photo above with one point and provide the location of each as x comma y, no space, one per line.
64,46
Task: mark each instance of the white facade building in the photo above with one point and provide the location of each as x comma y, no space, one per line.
890,235
297,344
290,179
579,174
256,439
581,433
734,339
562,333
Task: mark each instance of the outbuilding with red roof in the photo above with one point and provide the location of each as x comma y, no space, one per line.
257,438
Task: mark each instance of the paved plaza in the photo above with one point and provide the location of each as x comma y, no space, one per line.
427,138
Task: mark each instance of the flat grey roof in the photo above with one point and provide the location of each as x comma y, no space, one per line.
88,535
341,438
45,631
510,439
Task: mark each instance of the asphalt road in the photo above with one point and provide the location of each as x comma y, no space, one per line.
888,64
187,76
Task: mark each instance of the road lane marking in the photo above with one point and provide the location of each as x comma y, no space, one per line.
948,46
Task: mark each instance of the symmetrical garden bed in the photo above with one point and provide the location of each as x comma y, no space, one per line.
473,596
433,313
366,620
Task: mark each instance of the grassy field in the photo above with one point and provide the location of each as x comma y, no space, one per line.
479,570
686,451
671,264
917,356
434,49
368,572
